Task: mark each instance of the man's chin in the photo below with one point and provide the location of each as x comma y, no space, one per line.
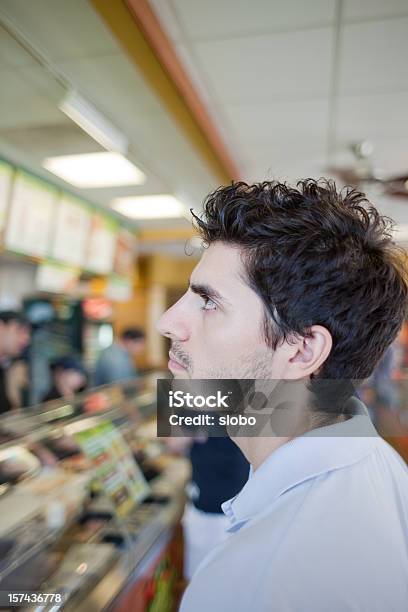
180,375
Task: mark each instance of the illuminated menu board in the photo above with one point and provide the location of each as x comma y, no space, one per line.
32,212
56,278
6,175
101,245
71,231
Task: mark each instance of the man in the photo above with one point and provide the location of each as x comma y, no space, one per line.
303,285
15,335
68,378
115,363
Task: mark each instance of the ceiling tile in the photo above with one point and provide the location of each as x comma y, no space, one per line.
374,57
113,84
159,138
371,9
372,117
62,29
288,170
49,140
300,121
105,195
43,82
266,68
12,54
22,105
287,160
214,19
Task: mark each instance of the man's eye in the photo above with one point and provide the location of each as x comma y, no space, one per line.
208,303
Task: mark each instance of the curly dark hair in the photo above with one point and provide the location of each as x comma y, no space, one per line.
316,255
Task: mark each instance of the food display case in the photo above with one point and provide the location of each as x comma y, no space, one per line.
90,505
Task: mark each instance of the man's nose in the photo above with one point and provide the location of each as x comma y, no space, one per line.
173,324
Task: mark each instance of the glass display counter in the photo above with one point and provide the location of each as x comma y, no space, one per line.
90,505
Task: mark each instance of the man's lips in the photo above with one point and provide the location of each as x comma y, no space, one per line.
174,364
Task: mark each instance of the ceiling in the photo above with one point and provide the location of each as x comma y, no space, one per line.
291,84
39,59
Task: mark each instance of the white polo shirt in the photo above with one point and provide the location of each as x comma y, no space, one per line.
320,526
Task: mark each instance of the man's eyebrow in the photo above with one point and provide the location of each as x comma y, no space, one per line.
207,290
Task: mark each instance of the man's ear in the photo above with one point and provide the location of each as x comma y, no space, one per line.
312,351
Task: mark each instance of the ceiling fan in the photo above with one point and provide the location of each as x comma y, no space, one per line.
363,174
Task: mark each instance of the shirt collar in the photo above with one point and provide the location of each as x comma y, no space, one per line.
317,452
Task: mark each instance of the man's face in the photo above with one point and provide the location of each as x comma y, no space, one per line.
216,328
70,380
14,338
135,347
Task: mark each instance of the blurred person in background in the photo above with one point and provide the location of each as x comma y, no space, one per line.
219,471
68,378
18,383
15,336
115,363
403,348
380,391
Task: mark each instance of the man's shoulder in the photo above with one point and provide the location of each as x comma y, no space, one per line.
338,527
359,510
351,499
391,455
110,352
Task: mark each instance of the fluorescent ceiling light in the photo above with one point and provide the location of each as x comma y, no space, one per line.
94,123
149,207
95,170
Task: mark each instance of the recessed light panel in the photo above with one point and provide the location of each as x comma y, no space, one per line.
149,207
95,170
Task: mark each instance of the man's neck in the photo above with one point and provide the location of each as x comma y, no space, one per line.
290,412
257,450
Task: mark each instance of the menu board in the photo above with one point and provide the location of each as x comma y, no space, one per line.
115,467
71,231
125,253
6,176
56,278
31,217
101,245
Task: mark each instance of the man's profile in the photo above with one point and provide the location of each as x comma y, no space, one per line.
300,284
